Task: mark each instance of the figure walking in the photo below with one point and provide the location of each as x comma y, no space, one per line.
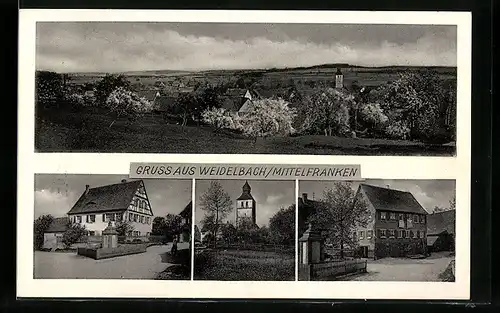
173,251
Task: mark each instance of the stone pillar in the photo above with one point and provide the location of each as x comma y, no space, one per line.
311,246
110,236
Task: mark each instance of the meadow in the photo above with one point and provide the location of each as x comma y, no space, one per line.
244,265
91,132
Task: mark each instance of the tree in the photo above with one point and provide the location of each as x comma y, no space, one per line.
340,211
186,107
228,233
218,118
73,233
158,226
49,89
124,228
124,102
217,205
327,112
282,226
167,226
372,116
453,203
268,117
41,224
415,100
108,84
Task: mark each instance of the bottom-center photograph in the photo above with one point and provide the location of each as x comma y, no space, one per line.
244,230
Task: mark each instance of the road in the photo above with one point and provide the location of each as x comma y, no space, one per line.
146,265
392,269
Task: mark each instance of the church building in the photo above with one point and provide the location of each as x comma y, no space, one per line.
245,206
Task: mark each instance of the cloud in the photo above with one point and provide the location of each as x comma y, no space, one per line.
64,49
54,203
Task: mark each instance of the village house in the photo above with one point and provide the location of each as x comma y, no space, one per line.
397,223
187,219
52,237
124,201
441,231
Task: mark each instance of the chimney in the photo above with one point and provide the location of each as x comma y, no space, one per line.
87,189
304,196
124,180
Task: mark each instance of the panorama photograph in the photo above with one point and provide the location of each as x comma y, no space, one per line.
240,88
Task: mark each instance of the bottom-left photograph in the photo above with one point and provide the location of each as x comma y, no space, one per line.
111,227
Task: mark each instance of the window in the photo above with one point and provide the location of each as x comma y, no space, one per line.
369,234
401,217
382,215
91,233
392,233
412,234
403,233
130,217
400,234
142,219
78,219
361,234
392,216
136,218
110,217
148,220
408,234
91,218
422,219
415,219
382,233
119,217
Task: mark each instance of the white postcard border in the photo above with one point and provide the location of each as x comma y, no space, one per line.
30,163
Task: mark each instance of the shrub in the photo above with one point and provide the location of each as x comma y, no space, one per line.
40,226
372,115
73,234
397,130
219,118
124,102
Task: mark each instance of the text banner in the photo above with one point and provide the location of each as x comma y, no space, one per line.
245,171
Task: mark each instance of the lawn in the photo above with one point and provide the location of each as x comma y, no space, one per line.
88,132
244,265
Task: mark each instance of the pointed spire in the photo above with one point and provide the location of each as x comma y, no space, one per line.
246,187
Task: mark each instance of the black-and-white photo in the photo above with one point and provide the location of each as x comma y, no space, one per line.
110,227
239,88
244,230
377,230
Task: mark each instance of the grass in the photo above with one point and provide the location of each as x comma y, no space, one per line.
90,132
244,265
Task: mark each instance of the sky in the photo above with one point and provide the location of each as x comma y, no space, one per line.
140,46
56,194
429,193
270,196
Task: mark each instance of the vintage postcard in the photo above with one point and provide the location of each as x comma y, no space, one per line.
244,154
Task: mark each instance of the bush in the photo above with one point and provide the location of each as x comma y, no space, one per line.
73,234
372,116
40,226
397,130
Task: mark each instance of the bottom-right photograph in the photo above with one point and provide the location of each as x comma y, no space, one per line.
377,230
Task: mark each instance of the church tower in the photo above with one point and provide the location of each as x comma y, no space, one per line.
245,206
339,79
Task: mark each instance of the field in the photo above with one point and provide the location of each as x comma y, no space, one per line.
90,132
244,265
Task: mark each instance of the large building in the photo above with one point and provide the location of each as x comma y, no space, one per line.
397,223
246,206
441,231
124,201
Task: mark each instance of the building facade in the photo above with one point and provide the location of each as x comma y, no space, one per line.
397,223
126,201
246,206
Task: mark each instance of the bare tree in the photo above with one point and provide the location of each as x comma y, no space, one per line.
217,204
340,211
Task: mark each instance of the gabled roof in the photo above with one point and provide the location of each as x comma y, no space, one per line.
58,225
106,198
149,95
235,92
386,199
232,104
187,211
438,223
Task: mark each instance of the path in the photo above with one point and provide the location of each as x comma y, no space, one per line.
392,269
70,265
